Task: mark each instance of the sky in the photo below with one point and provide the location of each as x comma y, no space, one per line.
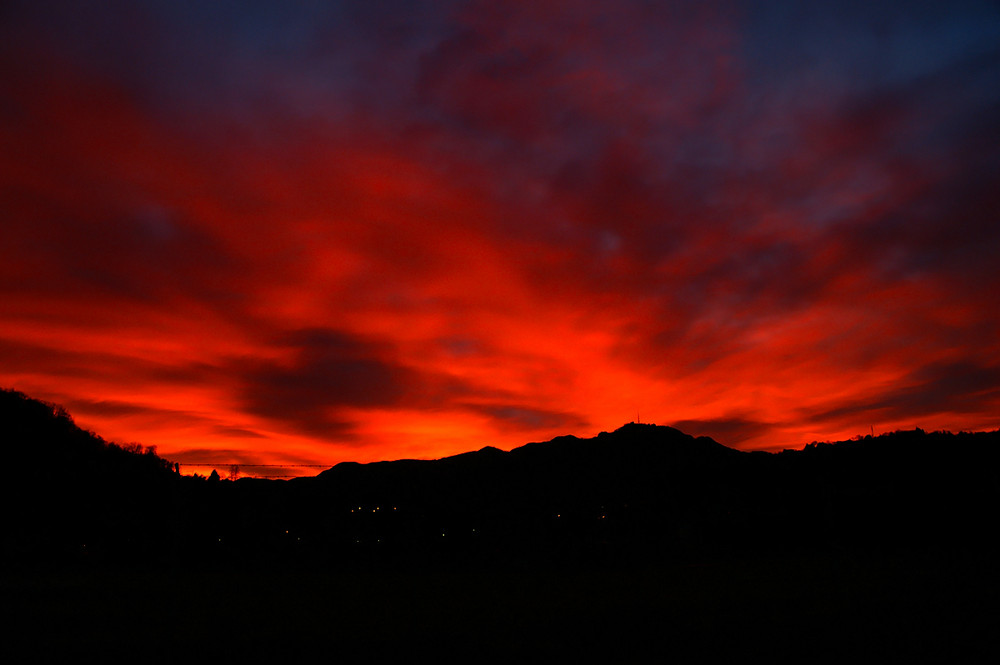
292,233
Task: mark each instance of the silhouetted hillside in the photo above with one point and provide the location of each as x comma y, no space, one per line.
568,497
640,494
69,494
567,468
41,439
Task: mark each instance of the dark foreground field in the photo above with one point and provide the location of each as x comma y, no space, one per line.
829,609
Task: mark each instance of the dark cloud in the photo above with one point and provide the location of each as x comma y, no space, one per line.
520,417
328,371
109,407
930,136
949,388
124,369
149,255
155,416
238,432
730,431
208,456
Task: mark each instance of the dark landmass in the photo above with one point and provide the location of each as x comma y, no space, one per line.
879,547
642,493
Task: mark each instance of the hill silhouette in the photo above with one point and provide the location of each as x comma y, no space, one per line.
642,493
640,540
70,494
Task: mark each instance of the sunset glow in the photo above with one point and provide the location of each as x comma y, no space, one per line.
367,231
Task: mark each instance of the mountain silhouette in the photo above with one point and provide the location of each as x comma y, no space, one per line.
641,493
874,549
607,466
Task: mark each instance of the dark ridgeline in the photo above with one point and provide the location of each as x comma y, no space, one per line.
69,495
642,494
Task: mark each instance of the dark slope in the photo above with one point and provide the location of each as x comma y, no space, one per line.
42,440
70,494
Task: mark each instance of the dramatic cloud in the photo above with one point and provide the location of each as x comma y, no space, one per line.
941,388
304,234
327,370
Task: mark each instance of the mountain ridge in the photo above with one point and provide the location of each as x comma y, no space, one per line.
631,434
641,493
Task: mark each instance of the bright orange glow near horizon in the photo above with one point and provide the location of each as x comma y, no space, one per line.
270,236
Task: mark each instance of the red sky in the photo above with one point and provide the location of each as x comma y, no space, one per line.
356,232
